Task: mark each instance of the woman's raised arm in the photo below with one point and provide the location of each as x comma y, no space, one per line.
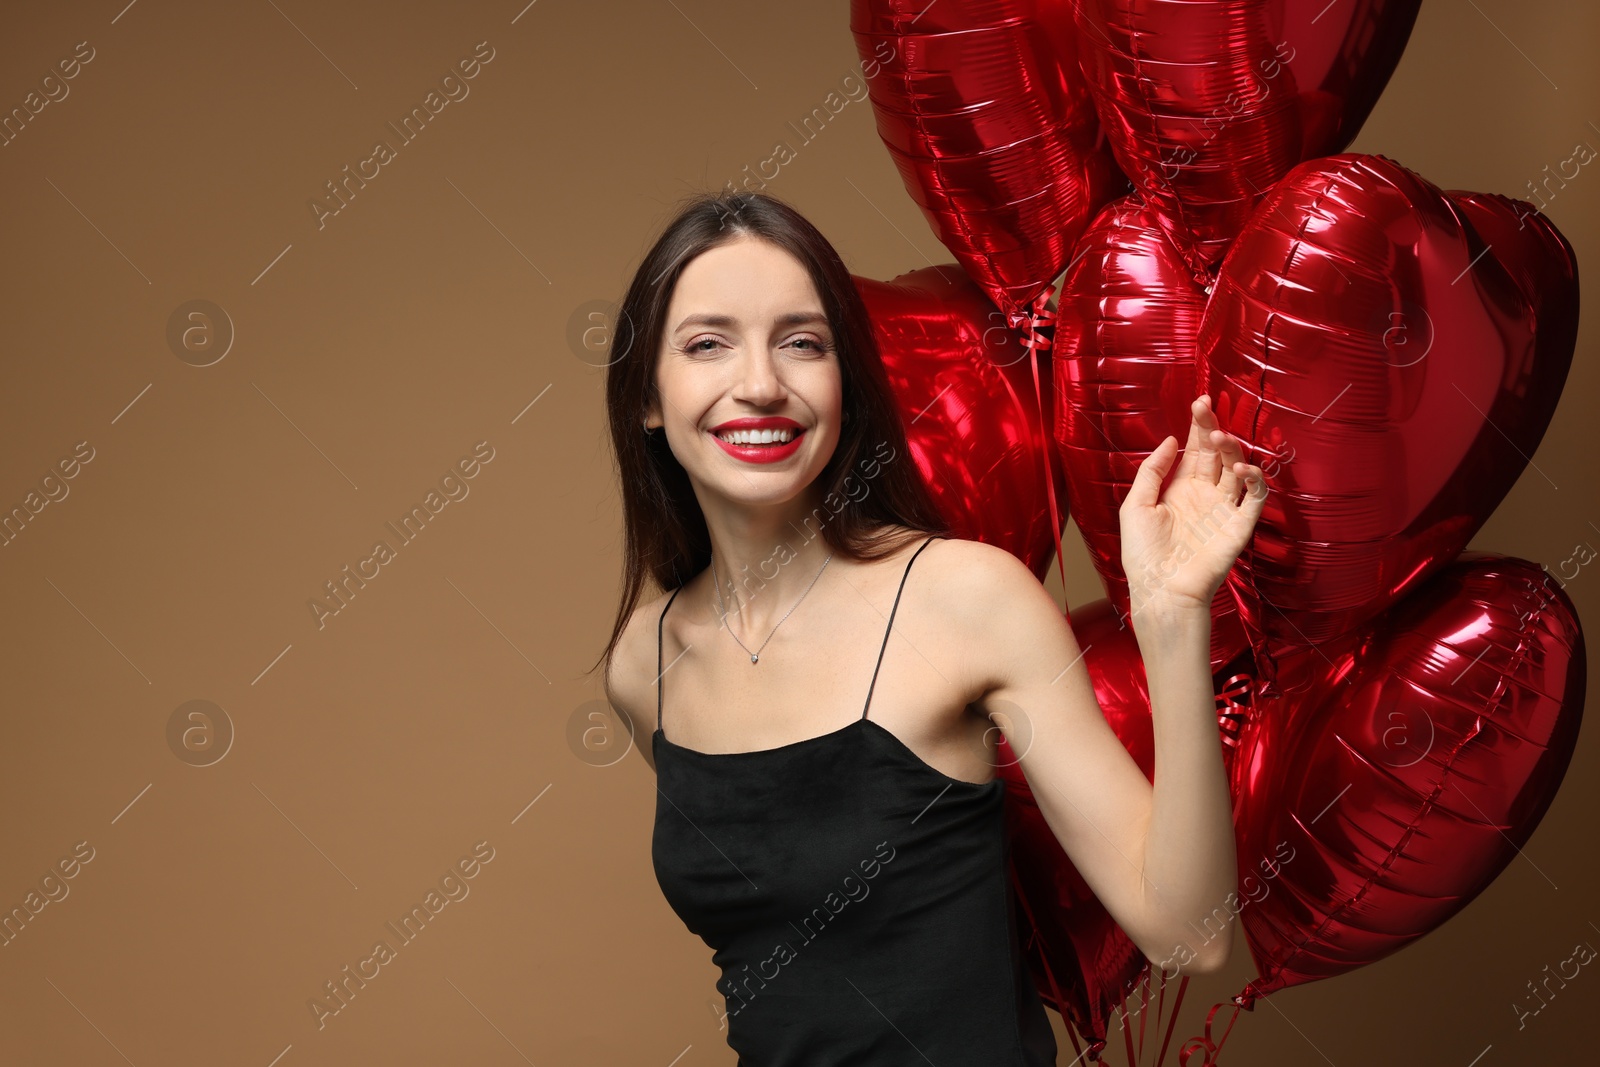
1161,859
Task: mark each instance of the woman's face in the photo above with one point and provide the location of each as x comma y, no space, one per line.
746,343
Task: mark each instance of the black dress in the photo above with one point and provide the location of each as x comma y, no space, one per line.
855,898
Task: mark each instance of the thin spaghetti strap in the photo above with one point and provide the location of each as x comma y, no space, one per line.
889,627
660,684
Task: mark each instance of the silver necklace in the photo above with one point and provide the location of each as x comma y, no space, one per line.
756,655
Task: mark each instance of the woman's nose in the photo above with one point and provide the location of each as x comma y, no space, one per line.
758,377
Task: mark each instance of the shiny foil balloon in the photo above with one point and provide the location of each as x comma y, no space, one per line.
988,121
971,408
1390,356
1208,103
1081,961
1126,323
1434,746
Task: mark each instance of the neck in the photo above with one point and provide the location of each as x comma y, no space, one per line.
764,559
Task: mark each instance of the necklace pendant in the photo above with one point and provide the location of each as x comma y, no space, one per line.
754,656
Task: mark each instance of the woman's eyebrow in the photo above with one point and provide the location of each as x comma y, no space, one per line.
791,318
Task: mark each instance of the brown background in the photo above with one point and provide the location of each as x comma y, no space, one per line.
371,753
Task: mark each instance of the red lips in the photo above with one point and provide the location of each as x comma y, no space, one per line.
760,453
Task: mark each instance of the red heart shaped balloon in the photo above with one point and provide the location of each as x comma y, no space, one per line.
971,408
1125,376
1433,749
988,121
1208,103
1392,370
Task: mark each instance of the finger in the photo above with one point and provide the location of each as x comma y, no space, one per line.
1207,463
1194,443
1255,492
1232,455
1146,487
1243,518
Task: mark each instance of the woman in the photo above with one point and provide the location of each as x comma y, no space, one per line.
847,866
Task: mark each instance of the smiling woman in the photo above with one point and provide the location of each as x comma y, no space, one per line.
745,392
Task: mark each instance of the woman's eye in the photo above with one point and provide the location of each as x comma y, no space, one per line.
694,346
814,344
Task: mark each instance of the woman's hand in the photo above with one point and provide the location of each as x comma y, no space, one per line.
1179,542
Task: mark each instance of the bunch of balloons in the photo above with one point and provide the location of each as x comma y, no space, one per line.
1396,713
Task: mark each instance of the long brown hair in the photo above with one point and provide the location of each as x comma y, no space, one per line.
665,532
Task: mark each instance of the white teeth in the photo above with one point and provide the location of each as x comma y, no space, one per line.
757,437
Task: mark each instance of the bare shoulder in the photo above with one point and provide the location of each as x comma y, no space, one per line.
976,579
997,612
630,684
